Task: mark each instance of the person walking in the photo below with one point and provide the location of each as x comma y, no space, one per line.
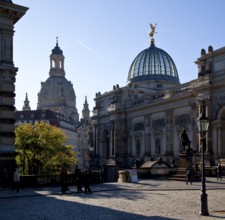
63,180
16,180
219,172
188,177
196,168
86,182
5,178
78,176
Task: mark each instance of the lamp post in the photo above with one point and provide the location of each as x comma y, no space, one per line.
203,124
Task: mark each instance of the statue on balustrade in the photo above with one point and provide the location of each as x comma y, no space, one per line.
185,141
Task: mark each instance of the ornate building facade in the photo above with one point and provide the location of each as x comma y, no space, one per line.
143,120
56,100
10,14
83,138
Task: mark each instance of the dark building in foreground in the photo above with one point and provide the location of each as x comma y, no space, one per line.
10,14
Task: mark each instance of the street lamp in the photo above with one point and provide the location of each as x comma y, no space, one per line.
203,124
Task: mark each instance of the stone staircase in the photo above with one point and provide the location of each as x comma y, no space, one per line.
183,163
181,175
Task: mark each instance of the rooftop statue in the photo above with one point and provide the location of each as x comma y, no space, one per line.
153,30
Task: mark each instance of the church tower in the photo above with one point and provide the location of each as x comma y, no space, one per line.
57,61
86,111
26,106
57,93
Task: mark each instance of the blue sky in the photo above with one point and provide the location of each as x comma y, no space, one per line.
101,38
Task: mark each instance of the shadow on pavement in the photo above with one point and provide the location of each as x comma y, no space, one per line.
49,208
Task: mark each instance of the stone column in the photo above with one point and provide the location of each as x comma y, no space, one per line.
219,140
194,135
112,139
9,14
169,132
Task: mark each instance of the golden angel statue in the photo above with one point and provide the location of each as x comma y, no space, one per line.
153,30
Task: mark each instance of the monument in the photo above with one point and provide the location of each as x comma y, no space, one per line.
185,157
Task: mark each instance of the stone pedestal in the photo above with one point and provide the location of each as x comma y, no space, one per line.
112,173
123,176
185,161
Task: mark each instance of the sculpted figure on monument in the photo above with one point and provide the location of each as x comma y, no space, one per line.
185,140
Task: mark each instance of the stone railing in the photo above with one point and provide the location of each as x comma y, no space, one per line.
54,180
50,180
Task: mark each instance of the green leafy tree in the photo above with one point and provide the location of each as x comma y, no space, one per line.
41,149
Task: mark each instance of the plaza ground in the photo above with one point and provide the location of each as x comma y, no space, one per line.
147,199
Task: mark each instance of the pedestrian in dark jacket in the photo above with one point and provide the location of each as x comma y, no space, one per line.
219,172
188,177
63,180
16,180
78,176
86,182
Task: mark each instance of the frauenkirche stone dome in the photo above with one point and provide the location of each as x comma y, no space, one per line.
153,64
57,93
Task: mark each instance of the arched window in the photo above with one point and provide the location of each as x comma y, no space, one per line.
53,64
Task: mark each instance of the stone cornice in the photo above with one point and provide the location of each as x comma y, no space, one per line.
12,11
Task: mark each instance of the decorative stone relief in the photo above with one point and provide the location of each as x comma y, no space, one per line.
182,120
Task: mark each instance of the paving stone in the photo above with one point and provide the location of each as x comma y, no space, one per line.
148,199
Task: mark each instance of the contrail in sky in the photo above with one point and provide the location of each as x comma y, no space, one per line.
181,29
188,29
88,48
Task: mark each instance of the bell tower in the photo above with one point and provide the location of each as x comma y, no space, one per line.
57,61
86,111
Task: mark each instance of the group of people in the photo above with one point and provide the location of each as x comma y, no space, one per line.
81,179
219,173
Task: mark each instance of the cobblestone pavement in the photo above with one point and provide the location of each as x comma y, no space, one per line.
147,199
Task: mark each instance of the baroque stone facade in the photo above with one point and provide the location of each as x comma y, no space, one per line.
144,119
84,149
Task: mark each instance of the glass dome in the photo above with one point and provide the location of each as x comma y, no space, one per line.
153,64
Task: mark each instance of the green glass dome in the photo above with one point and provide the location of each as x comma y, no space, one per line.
153,64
